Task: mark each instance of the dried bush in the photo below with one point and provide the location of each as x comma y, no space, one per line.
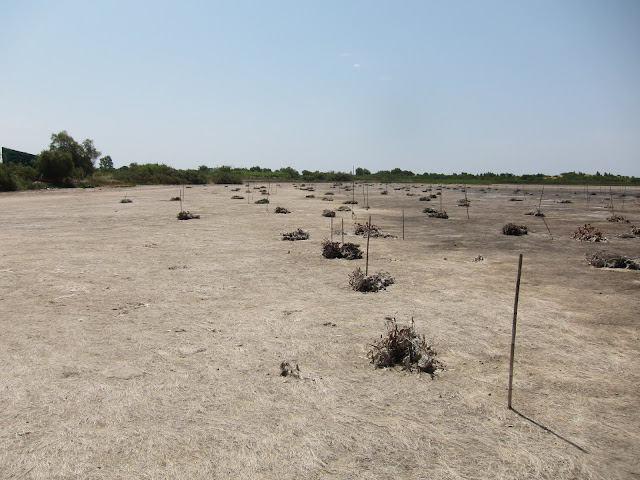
565,201
296,235
343,209
384,192
348,251
360,229
535,213
442,214
617,218
237,197
403,346
262,201
425,199
514,199
635,230
513,229
187,215
281,210
589,233
429,210
127,200
310,196
464,203
350,202
290,368
331,249
612,260
328,213
174,199
369,283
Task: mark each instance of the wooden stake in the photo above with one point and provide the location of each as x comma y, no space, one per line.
611,197
466,200
342,230
366,265
513,333
403,223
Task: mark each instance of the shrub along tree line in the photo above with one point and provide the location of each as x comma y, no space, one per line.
69,163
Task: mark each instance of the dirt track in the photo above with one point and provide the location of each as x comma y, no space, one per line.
135,345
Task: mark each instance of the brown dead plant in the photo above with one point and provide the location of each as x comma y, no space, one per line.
402,346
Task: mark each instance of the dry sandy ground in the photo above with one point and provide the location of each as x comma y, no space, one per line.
135,345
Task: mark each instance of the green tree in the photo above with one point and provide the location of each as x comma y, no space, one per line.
106,163
362,171
83,155
55,165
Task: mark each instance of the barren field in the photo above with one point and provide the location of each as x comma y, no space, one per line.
135,345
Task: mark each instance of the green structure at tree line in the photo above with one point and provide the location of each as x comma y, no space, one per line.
68,163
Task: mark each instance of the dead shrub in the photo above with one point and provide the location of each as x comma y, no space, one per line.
328,213
617,218
514,199
464,203
237,197
174,199
290,368
262,201
343,209
635,230
404,347
348,251
513,229
429,210
298,234
350,202
565,201
535,213
442,214
128,200
184,215
281,210
589,233
369,283
425,199
606,259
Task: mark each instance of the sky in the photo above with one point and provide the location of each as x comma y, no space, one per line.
527,86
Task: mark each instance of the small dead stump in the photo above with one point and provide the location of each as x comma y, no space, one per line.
402,346
612,260
281,210
262,201
513,229
187,215
369,283
589,233
296,235
328,213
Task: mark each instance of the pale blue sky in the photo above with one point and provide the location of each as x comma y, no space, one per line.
440,86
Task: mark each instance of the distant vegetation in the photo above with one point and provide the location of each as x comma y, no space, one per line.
68,163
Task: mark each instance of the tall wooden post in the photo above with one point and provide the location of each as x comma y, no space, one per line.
513,332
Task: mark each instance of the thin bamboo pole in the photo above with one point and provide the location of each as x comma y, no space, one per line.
513,333
366,265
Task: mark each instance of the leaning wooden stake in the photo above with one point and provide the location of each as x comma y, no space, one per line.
466,200
331,227
513,332
403,223
366,265
342,230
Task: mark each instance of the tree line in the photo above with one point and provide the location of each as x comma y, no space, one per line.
68,163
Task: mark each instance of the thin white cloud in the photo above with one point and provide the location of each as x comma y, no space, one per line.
356,65
345,54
